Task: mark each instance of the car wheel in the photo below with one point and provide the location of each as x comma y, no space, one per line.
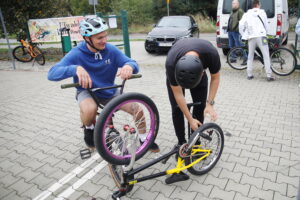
150,50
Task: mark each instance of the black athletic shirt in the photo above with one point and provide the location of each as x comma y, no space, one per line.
207,52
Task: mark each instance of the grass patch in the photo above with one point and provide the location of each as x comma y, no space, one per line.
134,28
205,23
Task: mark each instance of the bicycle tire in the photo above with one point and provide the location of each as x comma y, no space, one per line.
40,58
283,61
116,172
239,53
209,162
146,113
21,54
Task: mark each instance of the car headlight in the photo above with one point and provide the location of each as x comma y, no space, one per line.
150,38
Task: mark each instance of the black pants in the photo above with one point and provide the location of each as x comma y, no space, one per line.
199,94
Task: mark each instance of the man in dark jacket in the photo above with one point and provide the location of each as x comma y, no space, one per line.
233,27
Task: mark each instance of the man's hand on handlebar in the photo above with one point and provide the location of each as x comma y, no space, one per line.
125,72
83,77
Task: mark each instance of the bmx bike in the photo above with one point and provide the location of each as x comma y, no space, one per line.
117,138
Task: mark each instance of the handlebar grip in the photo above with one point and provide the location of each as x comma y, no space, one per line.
271,36
69,85
135,76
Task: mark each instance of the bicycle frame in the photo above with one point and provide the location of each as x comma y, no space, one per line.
179,167
29,46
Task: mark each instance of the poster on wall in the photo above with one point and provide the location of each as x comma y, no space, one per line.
48,30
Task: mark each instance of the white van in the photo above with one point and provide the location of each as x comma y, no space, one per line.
278,19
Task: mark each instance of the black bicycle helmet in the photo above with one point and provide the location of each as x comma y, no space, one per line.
188,71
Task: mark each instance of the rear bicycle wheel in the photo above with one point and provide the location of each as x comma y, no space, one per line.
40,58
237,58
283,61
135,111
22,54
216,146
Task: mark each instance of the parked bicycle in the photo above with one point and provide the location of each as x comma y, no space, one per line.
28,51
283,60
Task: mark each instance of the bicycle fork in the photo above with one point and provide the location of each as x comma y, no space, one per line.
131,147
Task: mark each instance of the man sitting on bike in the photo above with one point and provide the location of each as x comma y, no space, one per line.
185,68
94,63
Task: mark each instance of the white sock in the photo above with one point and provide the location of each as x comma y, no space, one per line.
90,127
143,137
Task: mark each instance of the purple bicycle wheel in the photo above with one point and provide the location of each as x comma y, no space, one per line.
126,121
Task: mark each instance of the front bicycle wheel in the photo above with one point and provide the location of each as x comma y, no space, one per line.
215,146
237,58
22,54
40,58
123,124
283,62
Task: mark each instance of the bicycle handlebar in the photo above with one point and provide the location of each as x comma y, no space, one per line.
69,85
133,76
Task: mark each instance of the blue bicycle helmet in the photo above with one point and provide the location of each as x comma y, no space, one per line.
92,26
188,71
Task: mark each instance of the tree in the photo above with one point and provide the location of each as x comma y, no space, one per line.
139,12
82,7
17,12
185,7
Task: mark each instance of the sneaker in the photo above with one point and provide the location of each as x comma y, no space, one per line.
250,77
176,178
154,148
270,78
89,137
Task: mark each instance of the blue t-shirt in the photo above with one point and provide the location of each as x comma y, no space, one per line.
101,66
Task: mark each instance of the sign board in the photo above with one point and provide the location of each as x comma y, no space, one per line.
48,30
112,21
93,2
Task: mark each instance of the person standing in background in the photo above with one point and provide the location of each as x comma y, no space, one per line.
253,27
233,29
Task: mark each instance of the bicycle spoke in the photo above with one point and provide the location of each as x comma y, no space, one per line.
135,122
215,145
237,58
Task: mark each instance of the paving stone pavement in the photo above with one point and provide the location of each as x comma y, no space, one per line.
40,139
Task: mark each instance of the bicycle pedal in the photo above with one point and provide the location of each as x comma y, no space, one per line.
85,153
